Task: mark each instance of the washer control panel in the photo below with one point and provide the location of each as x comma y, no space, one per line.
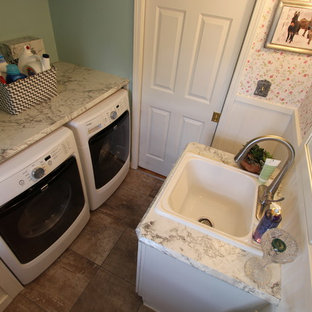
38,169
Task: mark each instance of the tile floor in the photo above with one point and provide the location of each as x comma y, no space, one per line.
97,272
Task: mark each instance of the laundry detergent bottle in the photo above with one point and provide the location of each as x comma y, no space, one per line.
28,63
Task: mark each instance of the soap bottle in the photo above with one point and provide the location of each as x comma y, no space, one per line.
271,219
28,63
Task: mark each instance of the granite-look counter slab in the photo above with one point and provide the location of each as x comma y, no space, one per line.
79,88
204,252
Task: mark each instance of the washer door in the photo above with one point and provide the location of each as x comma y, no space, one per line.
109,150
34,220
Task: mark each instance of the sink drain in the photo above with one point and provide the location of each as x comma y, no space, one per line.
205,221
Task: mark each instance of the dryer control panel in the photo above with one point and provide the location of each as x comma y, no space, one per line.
100,116
107,116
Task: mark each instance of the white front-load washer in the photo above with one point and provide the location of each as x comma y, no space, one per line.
43,204
103,138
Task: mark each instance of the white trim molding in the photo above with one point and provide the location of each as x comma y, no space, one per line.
138,42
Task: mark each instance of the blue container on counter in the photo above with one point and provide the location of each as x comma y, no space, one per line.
13,73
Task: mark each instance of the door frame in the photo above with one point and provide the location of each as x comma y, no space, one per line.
137,71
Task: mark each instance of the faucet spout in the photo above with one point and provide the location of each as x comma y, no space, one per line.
266,193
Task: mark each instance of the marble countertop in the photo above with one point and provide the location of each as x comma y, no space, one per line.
79,88
206,253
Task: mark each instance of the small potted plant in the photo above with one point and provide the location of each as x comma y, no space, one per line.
255,159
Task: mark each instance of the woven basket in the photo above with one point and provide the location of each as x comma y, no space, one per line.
23,93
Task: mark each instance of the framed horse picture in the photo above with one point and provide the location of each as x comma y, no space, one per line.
291,28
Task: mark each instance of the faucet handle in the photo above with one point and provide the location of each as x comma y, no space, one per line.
262,206
264,200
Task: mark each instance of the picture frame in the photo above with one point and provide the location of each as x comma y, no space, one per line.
291,28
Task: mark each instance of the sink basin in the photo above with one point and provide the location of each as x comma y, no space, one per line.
212,197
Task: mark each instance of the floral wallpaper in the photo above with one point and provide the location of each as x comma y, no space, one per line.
290,73
305,114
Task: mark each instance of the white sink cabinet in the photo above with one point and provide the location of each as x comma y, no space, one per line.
169,285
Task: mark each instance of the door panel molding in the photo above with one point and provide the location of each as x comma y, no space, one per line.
158,119
167,42
210,28
191,131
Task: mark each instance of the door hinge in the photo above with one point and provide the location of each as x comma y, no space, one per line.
215,117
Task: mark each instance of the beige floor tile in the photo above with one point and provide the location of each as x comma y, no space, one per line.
59,287
98,237
140,182
156,188
144,308
22,304
126,206
122,259
107,292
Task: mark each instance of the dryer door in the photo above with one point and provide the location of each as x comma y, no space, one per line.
109,150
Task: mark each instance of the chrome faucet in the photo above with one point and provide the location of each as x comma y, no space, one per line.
266,193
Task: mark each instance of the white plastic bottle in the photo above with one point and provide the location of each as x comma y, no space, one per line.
28,60
45,62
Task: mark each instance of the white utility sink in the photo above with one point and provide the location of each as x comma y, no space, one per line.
202,190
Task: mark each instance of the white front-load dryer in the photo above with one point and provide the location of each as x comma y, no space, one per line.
103,138
43,204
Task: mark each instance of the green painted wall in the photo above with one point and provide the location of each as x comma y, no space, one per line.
97,34
21,18
92,33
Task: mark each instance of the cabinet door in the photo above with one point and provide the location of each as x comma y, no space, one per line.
190,51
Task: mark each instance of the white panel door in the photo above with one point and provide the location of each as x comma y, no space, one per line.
190,51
